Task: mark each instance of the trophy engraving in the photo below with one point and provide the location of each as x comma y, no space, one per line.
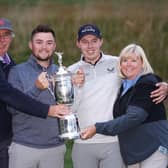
64,94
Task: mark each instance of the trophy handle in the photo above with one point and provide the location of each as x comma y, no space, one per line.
59,54
51,86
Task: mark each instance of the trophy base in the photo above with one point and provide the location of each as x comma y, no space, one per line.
70,136
69,127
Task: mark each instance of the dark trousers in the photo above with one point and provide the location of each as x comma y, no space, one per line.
4,158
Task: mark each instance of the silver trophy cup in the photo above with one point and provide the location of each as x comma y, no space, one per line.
64,88
64,94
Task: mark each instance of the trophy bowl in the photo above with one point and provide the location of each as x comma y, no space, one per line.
64,91
69,127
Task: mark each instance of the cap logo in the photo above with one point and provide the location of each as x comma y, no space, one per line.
1,23
88,29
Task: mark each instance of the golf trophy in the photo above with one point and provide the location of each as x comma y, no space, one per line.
64,94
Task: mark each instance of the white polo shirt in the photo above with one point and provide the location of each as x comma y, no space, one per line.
94,101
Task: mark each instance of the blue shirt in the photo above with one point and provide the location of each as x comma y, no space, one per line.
128,83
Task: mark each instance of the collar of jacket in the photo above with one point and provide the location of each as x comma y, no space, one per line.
33,61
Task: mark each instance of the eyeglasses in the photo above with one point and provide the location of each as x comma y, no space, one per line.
6,35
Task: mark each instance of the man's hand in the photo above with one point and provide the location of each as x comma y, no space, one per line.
78,79
160,94
59,110
42,82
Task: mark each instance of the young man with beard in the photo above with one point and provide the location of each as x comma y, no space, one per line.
36,141
13,97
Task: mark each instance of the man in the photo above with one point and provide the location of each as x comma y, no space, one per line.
36,142
95,101
13,97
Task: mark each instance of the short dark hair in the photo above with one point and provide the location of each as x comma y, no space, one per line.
44,29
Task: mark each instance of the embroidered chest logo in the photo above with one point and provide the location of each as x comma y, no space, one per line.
111,69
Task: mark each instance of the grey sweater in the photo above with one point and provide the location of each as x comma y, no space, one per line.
29,130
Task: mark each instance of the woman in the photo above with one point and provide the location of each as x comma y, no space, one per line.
140,124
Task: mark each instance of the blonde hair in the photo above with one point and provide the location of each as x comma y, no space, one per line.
138,50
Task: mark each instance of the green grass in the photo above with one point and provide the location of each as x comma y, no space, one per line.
121,21
29,3
68,161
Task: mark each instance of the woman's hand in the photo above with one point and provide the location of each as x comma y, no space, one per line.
88,132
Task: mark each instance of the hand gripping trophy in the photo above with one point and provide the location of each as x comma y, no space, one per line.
64,93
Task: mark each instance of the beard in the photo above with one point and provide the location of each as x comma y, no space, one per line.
49,57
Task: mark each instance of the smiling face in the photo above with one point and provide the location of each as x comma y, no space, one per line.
90,47
43,45
131,65
5,41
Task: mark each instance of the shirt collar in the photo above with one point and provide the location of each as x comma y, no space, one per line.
5,59
100,58
127,83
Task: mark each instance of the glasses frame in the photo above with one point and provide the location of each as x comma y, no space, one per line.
7,35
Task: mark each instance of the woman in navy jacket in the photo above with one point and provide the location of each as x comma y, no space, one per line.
140,124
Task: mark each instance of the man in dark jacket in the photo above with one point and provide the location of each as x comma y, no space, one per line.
13,97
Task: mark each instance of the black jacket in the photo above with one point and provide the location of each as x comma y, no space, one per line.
140,124
13,97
